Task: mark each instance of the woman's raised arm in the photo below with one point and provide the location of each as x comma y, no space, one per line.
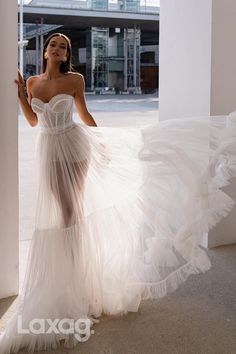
25,105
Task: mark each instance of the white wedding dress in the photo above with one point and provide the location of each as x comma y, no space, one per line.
120,215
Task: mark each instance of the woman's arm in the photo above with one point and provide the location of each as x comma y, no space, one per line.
25,106
80,101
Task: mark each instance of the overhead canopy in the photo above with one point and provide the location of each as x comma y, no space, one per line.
82,18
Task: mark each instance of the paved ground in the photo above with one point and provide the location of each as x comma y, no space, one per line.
198,318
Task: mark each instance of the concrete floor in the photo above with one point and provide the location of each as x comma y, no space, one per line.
198,318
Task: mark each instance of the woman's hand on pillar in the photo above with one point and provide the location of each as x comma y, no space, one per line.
21,85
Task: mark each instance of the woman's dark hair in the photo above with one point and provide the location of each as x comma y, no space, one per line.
64,67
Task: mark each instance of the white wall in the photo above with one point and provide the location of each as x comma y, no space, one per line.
185,58
223,95
198,72
197,57
223,68
9,255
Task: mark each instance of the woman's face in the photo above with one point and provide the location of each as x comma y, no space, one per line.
57,49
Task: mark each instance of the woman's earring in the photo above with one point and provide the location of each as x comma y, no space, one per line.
65,59
46,55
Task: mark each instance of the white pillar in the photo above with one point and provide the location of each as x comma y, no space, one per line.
9,243
223,96
197,72
185,58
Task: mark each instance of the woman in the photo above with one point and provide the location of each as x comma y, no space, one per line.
57,77
120,212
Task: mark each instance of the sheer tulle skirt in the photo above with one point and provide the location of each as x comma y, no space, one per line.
120,217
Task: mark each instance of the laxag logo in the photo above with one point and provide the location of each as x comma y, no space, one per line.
80,328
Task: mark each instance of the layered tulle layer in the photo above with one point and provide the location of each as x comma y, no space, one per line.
120,217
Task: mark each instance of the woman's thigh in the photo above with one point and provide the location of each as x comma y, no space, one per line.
67,184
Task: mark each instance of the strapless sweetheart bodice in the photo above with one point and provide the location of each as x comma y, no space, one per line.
55,115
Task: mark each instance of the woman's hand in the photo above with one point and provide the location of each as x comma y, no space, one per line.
29,114
21,85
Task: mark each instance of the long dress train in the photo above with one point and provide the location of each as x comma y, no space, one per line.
121,213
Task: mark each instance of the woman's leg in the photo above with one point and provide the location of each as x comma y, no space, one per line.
67,185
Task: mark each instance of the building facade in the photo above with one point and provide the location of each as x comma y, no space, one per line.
114,53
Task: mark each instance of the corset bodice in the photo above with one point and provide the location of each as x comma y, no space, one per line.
55,115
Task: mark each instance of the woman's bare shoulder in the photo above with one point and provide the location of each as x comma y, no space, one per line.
77,80
75,75
32,79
